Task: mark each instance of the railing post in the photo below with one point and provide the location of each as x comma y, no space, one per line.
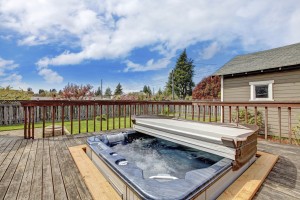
222,120
130,123
79,123
290,124
279,123
168,110
95,113
174,109
107,117
193,112
229,114
44,115
204,110
216,114
266,123
119,113
71,116
237,115
100,113
25,122
152,109
32,132
246,114
113,114
255,115
185,111
125,116
199,108
87,118
209,113
62,120
29,122
53,120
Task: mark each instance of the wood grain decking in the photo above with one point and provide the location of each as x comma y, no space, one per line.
44,169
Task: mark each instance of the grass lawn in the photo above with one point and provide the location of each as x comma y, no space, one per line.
83,127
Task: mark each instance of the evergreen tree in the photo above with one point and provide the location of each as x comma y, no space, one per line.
159,92
147,90
183,77
118,90
98,92
41,91
108,92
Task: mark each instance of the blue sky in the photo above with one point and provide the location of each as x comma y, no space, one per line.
46,44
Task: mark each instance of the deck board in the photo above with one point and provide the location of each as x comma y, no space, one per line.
58,183
37,179
48,193
10,171
24,190
32,169
19,173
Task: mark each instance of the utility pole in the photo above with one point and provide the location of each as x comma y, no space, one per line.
101,90
173,85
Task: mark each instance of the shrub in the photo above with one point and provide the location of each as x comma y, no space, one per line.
251,118
103,117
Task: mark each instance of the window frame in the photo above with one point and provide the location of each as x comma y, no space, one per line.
269,83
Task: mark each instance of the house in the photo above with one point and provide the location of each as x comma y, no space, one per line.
271,75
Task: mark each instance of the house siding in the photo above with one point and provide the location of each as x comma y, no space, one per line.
286,87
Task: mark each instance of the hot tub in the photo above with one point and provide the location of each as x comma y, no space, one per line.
141,166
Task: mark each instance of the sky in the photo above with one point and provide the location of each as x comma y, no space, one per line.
46,44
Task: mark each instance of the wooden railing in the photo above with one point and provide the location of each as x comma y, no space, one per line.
277,118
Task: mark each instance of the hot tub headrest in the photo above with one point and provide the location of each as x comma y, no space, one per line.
113,138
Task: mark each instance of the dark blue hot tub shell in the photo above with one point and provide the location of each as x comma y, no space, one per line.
194,182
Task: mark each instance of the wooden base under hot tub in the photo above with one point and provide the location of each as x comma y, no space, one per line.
244,187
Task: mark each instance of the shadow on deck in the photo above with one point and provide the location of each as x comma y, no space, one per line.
44,169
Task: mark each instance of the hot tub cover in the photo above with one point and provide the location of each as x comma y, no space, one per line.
238,143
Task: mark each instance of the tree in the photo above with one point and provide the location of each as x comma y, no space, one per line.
41,91
118,90
73,91
183,77
53,90
147,90
108,92
208,88
159,92
98,92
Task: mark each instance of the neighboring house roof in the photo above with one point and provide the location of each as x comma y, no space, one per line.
269,59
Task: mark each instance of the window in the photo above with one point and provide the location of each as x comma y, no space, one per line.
261,91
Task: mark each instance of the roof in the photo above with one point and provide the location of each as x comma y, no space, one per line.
269,59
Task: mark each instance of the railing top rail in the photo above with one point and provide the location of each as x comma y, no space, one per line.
100,102
252,104
294,104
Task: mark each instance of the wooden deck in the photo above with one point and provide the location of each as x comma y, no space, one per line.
44,169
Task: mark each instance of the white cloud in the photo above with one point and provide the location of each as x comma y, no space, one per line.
6,65
50,76
9,76
149,66
110,29
210,51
